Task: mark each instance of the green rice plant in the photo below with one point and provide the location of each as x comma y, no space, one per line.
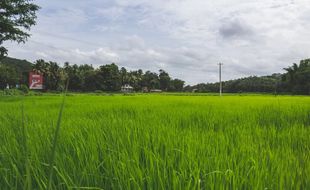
55,140
54,145
156,142
27,183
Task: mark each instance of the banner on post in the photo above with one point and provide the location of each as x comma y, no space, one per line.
35,81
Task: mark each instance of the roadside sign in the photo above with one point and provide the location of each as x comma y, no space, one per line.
35,81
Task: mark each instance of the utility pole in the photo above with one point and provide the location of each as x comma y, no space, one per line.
220,77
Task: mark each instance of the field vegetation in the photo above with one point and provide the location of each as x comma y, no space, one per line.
155,142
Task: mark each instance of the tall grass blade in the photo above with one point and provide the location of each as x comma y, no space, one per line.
55,140
27,184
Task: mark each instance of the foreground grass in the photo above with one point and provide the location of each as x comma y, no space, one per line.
156,142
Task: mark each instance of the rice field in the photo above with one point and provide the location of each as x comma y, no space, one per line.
155,142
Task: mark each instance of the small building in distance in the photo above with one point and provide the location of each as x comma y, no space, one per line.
127,88
145,90
194,90
156,90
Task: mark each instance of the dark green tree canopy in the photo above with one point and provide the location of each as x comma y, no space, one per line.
110,78
164,80
297,78
16,17
8,76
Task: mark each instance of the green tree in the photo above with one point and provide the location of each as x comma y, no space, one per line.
16,16
91,80
109,77
164,80
8,75
176,85
85,71
41,67
54,75
150,80
135,79
297,78
74,76
22,68
124,76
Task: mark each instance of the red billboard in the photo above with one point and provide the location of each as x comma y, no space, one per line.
35,81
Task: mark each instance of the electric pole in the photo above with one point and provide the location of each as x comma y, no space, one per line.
220,77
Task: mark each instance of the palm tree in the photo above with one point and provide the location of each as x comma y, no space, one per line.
291,72
41,67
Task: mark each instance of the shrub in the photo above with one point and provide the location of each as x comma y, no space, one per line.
98,91
24,89
12,92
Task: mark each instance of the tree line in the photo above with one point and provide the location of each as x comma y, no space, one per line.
85,78
110,78
296,80
254,84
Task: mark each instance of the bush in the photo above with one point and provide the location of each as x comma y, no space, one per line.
60,89
35,93
98,91
24,89
12,92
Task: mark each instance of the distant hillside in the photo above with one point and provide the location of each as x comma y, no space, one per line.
296,80
268,84
21,66
13,71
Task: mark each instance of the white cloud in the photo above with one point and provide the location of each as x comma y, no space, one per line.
186,37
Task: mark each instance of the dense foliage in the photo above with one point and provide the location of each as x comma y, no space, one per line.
106,78
268,84
86,78
156,142
296,80
14,71
16,16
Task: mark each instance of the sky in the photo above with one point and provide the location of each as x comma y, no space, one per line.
186,38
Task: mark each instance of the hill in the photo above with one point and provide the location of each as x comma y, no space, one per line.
18,64
268,84
13,71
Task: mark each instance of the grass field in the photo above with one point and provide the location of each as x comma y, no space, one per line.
156,142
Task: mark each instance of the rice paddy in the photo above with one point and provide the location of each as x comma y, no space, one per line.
155,142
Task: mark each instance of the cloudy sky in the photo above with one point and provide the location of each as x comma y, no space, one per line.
187,38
